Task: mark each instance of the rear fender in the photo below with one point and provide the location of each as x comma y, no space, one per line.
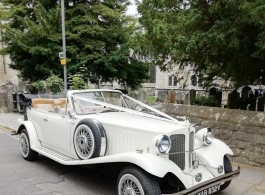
33,137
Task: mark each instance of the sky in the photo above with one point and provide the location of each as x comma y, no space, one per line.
132,9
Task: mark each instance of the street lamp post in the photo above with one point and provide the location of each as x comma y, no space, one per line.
63,61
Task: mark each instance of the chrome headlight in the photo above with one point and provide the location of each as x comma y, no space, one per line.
205,136
163,144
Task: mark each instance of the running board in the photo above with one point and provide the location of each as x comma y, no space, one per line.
59,157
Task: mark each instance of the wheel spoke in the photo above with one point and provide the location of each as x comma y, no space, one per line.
24,145
129,184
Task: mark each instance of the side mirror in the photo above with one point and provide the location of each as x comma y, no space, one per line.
57,109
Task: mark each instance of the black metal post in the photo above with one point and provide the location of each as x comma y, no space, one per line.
14,95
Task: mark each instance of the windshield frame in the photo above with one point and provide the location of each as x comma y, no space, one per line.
128,109
98,102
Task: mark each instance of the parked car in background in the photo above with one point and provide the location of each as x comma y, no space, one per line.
157,154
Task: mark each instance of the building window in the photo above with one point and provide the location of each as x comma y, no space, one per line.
152,74
194,80
200,81
172,81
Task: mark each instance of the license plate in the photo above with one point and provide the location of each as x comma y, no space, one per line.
210,190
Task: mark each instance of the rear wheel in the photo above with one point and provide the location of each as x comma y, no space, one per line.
134,181
26,151
227,169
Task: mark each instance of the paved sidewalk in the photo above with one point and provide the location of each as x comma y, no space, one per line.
10,120
250,182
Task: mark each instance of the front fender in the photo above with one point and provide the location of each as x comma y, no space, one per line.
213,154
153,164
33,137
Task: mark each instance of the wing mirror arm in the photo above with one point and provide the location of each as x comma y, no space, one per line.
58,110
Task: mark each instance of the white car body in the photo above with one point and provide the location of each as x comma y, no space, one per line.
130,136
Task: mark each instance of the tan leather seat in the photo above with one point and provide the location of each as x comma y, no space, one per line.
43,104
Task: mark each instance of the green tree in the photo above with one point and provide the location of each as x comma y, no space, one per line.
98,34
219,38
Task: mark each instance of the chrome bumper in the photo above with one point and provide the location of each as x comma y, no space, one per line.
212,182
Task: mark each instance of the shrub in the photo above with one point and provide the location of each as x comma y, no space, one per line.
55,84
78,82
39,85
205,101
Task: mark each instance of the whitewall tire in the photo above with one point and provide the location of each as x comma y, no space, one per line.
87,140
135,181
26,151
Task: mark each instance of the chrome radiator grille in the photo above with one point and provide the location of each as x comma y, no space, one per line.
178,150
191,147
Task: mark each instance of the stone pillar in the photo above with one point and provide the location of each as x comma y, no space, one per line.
172,96
142,96
3,99
260,104
10,90
218,97
232,99
256,93
192,96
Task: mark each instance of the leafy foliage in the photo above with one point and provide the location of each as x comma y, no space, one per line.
78,82
219,38
98,36
205,101
40,85
55,84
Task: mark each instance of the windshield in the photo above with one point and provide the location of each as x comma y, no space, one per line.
89,102
82,105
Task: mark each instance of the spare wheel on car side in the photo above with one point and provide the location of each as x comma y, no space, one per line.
87,139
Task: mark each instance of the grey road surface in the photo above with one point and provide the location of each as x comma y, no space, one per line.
47,177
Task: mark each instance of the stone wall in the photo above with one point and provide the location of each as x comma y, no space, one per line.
6,99
7,74
243,131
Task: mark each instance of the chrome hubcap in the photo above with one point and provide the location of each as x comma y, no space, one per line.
129,185
24,145
84,141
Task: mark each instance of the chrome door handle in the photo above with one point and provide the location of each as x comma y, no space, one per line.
45,119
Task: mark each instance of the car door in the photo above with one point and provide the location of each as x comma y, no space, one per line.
57,132
38,118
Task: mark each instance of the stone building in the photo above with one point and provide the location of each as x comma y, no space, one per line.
7,74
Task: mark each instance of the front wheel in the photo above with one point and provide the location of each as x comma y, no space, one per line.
227,169
26,151
133,180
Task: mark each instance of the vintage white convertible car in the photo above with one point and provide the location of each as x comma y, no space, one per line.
157,154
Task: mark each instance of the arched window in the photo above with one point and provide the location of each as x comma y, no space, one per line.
170,81
175,81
